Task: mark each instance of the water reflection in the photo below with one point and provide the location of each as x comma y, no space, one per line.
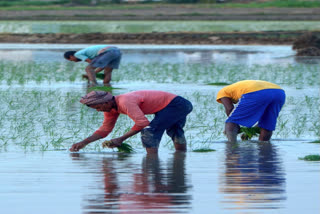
247,55
254,177
151,188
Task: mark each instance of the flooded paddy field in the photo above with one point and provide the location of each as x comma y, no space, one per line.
153,26
41,117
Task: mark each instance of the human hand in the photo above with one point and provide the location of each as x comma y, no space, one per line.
77,146
116,142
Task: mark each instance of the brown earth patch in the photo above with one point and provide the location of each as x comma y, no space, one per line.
274,37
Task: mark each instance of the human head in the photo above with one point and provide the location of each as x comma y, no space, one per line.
96,97
99,100
69,55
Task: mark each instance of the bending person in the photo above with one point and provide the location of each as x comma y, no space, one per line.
99,57
258,101
169,109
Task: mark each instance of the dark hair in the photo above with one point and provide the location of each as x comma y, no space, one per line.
68,54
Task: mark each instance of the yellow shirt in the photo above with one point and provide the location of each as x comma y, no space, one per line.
236,90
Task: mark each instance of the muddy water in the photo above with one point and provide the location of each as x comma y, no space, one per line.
41,119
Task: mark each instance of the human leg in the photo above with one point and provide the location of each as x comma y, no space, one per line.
177,135
90,70
232,130
107,75
107,61
150,138
265,135
152,150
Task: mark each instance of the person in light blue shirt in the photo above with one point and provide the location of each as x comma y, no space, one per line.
99,57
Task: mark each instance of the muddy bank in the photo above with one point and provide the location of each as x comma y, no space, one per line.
274,37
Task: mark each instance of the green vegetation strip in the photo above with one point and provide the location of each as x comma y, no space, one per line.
204,150
86,5
311,158
218,83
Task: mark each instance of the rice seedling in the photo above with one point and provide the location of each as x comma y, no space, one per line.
311,158
316,141
102,88
50,117
124,147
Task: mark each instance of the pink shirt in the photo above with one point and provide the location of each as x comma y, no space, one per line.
136,105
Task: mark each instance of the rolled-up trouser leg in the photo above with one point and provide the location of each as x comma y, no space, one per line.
176,132
151,137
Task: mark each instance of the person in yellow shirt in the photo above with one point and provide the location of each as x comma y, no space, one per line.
258,101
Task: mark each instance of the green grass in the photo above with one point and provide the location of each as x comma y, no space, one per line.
311,158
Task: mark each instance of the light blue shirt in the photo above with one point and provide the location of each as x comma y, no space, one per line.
90,52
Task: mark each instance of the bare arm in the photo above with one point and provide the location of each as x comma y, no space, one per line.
228,105
118,141
77,146
88,60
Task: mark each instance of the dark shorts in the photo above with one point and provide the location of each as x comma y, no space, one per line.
111,58
260,106
170,119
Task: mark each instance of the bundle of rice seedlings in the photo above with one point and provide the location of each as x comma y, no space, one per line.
100,76
316,141
124,147
248,133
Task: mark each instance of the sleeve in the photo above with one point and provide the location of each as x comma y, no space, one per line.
135,113
108,124
81,55
222,93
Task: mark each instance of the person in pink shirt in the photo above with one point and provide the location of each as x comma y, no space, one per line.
169,109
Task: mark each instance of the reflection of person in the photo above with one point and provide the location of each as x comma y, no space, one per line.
258,101
152,191
99,57
170,114
253,175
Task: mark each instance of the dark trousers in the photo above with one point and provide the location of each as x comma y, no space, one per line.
170,119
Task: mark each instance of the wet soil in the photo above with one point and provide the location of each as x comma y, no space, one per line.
274,37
